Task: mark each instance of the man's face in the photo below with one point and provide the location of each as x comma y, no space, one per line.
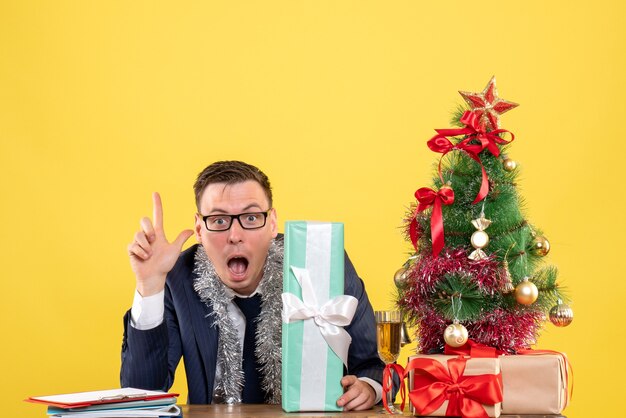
237,254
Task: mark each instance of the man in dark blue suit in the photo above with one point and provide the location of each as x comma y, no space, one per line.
217,304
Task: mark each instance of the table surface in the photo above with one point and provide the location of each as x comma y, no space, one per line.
252,411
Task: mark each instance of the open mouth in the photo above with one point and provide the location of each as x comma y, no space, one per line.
238,265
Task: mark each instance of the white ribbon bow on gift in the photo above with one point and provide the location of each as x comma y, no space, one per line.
330,318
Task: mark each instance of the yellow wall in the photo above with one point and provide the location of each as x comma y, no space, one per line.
102,103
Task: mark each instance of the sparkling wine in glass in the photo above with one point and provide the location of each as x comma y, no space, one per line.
388,328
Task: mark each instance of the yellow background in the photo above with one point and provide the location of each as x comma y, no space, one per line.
102,103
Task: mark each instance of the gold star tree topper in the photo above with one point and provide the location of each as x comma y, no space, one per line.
488,105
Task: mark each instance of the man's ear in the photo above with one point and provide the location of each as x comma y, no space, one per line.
198,228
273,219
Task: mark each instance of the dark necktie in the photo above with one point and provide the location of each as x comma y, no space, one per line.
252,392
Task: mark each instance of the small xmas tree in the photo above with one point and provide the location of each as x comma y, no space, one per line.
476,268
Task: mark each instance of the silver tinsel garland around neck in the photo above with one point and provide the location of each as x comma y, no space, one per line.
269,329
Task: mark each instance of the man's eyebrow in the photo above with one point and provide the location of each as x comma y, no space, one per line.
244,210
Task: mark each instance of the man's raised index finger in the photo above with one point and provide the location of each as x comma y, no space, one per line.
157,211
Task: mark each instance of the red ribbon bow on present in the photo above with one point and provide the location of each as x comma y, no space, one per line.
426,198
433,384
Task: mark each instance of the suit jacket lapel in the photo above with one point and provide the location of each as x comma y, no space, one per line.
206,336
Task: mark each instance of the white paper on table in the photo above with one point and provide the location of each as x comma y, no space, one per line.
98,396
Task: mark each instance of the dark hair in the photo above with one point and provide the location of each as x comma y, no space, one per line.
230,172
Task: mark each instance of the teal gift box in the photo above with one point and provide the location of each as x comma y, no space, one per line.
315,310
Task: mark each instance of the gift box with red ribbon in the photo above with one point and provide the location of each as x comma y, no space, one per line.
441,385
534,383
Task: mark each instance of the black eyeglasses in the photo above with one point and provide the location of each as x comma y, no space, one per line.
249,220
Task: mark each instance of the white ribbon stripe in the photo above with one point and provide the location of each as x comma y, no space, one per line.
330,318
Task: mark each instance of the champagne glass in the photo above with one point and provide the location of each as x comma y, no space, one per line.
388,327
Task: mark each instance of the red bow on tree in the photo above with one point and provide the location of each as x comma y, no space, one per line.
426,198
475,130
433,384
439,143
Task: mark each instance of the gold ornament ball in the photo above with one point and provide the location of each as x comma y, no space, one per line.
526,292
455,335
509,164
399,278
541,246
561,315
479,239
